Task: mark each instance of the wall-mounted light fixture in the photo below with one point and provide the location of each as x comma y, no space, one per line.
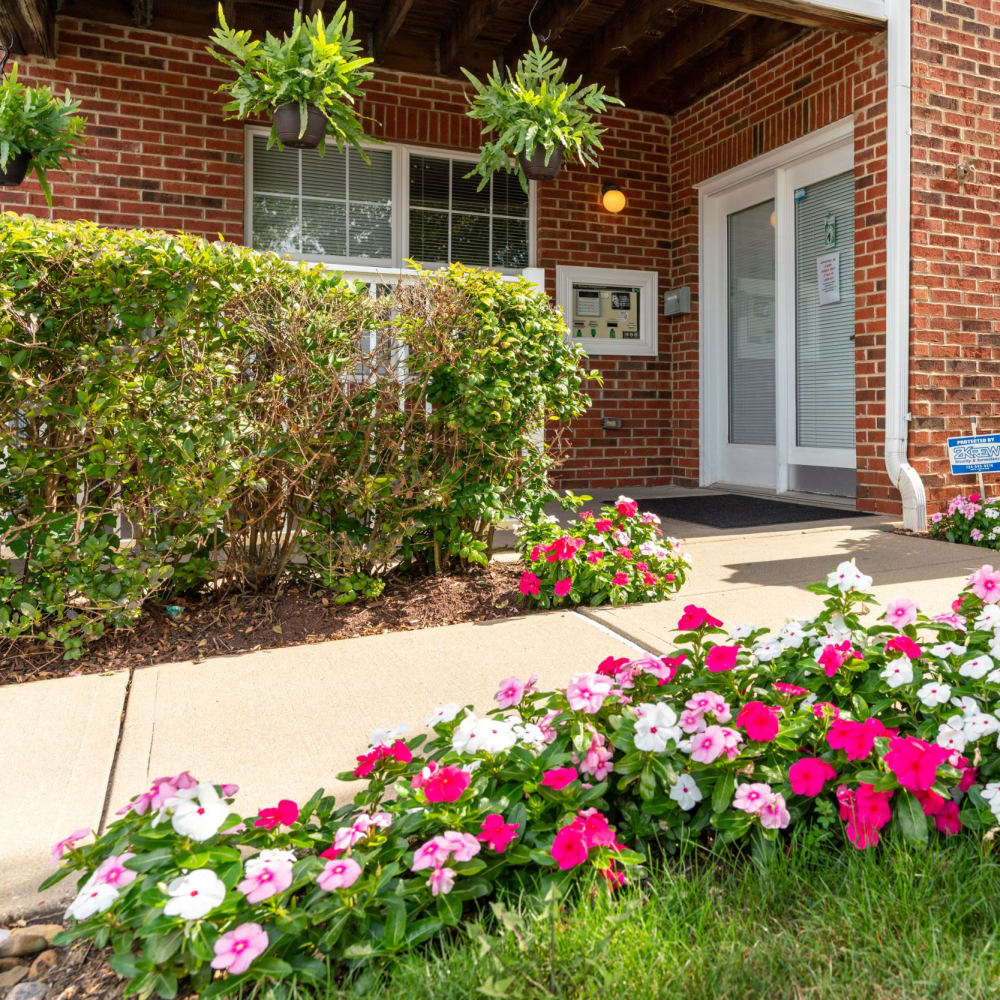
613,198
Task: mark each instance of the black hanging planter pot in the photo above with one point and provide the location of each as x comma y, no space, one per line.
287,124
535,168
17,167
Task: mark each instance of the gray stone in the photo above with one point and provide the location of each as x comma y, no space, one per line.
13,976
28,991
4,933
23,944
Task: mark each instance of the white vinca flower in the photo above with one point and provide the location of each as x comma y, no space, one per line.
490,735
847,576
194,894
95,897
742,631
952,736
995,644
989,617
977,668
769,649
933,694
201,816
685,792
946,649
979,725
655,727
443,714
967,704
990,790
898,672
386,737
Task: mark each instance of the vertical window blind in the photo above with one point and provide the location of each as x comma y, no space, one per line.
824,323
751,325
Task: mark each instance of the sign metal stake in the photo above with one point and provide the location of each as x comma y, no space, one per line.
982,485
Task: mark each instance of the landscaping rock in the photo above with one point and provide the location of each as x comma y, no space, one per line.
28,991
43,963
23,944
12,976
47,931
9,963
4,933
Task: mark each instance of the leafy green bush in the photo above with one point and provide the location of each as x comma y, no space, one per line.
187,414
618,557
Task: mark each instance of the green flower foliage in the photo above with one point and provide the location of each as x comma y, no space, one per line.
185,414
318,63
34,121
534,107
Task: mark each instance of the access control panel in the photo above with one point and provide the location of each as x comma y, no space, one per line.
605,312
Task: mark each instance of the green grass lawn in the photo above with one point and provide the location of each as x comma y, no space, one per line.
822,922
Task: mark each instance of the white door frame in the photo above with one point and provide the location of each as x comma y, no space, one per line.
783,165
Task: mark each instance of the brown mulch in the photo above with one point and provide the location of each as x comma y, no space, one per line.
222,625
83,973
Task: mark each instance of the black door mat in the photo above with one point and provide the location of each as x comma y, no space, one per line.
730,510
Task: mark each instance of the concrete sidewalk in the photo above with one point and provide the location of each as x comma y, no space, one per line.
282,722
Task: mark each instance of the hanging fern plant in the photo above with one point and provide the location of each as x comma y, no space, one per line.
535,117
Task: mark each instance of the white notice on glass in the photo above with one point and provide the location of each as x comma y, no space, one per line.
828,275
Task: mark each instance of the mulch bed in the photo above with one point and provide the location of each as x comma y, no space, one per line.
222,625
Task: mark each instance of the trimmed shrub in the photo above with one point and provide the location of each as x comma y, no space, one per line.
860,730
618,557
182,413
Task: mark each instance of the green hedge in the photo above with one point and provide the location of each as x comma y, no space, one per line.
245,417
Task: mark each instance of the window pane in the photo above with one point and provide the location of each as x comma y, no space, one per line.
275,171
508,198
370,231
824,328
428,182
464,196
510,243
371,181
470,239
428,237
276,224
324,228
324,176
751,326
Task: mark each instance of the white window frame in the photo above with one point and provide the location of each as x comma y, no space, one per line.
646,281
401,153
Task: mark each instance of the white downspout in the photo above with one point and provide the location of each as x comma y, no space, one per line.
897,305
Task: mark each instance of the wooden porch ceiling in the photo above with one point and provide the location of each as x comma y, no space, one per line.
655,54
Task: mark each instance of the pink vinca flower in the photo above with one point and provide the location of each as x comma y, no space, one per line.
563,587
559,777
709,745
68,844
441,881
695,618
947,819
808,775
497,834
586,692
510,693
284,814
760,721
773,814
721,658
597,760
620,580
901,611
447,784
236,949
985,584
751,798
112,871
530,585
915,762
341,873
266,875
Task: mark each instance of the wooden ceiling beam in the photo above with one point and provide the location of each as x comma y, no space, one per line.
32,22
552,21
619,34
387,25
679,47
744,49
803,12
477,15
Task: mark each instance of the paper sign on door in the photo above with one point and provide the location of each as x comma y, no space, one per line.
828,275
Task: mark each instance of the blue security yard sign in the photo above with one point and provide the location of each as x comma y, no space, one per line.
974,455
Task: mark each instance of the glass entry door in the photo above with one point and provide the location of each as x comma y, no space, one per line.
778,373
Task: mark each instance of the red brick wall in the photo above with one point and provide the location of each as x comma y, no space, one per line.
814,81
955,366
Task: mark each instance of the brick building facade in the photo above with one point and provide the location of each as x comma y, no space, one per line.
161,155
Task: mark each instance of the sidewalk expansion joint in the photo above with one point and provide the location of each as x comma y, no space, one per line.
587,614
114,759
